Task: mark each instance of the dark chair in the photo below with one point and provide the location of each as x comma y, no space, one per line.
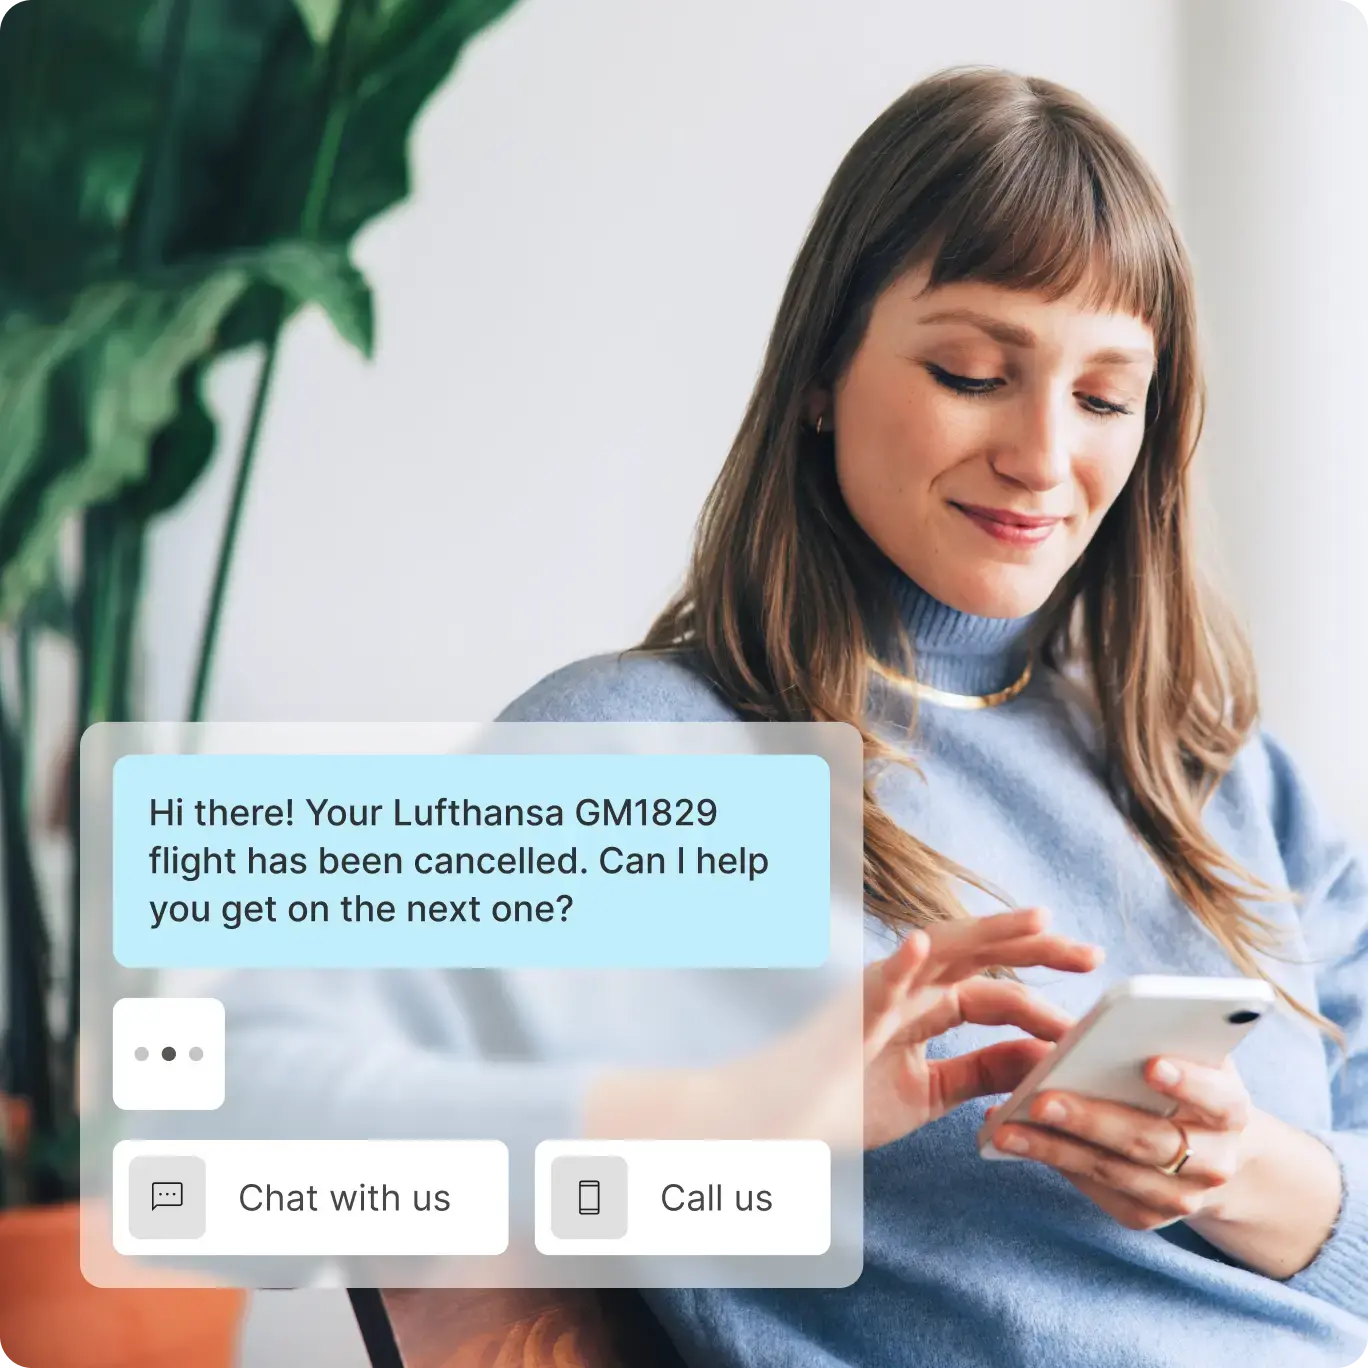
511,1328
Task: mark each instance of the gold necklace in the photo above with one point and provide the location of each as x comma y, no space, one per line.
968,702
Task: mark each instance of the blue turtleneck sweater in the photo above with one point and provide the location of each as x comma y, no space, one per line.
970,1264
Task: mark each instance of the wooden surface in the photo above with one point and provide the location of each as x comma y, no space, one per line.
526,1328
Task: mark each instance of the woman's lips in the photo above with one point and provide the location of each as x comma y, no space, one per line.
1016,529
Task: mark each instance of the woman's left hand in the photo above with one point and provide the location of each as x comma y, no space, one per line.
1117,1155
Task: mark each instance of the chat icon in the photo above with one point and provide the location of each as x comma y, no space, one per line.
168,1195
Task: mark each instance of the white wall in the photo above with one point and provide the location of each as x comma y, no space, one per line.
1275,202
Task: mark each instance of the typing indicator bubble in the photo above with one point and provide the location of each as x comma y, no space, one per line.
168,1054
168,1195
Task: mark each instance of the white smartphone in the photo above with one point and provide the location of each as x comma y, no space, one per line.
1104,1054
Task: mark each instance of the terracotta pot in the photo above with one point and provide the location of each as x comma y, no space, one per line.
50,1317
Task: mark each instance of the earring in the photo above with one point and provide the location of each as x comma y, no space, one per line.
817,427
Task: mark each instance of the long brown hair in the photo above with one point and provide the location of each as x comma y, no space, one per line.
989,176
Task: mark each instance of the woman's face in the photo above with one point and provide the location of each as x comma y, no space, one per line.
982,433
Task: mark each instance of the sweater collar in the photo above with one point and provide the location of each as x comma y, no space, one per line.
958,651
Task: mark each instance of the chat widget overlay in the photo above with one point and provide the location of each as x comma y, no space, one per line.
512,1005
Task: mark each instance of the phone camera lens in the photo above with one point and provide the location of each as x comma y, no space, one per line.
1240,1018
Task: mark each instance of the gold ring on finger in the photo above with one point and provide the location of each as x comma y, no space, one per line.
1175,1165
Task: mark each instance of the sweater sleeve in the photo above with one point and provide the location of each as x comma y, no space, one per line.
1331,878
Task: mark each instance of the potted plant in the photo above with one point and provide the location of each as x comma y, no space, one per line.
179,177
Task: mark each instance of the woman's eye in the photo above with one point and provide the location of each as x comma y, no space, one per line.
974,384
1103,407
963,384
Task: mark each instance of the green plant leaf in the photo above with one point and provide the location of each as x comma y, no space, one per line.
319,17
308,273
179,453
398,53
86,107
234,50
30,352
107,404
311,273
77,98
123,385
133,369
408,56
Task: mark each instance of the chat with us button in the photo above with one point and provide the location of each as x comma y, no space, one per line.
311,1197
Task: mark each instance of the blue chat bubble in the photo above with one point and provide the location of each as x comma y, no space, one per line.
482,861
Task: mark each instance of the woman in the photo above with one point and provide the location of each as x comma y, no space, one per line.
957,516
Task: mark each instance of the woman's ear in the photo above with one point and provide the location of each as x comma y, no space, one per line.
818,406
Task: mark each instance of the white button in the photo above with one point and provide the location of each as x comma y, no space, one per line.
711,1197
327,1197
168,1054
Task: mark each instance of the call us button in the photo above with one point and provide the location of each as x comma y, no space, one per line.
707,1197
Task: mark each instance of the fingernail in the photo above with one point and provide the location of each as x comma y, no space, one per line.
1053,1111
1164,1072
1015,1144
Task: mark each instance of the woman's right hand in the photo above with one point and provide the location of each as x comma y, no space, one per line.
819,1079
934,982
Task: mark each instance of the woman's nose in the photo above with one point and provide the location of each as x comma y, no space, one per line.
1035,453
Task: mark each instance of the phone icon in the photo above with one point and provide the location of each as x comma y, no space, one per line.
589,1197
